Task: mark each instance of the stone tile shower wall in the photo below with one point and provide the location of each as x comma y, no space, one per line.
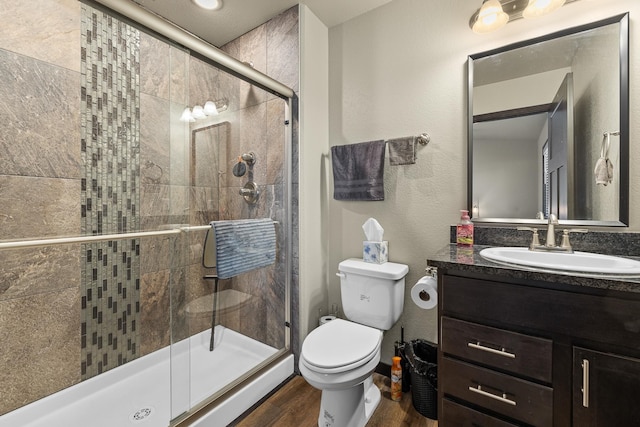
259,116
45,186
79,143
40,180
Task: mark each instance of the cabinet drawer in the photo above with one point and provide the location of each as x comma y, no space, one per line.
515,398
519,307
454,415
510,351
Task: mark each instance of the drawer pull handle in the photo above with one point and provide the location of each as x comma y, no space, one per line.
585,383
503,398
501,352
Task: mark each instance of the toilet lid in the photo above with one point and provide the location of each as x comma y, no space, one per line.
340,343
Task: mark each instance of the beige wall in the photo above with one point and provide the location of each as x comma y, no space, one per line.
314,96
401,70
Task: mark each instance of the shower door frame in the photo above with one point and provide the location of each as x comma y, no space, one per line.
220,59
202,408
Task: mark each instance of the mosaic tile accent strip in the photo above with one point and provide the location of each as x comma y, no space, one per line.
110,150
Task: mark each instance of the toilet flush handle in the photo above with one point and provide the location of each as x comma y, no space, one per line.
341,275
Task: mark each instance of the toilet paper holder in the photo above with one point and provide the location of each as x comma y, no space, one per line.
424,296
433,272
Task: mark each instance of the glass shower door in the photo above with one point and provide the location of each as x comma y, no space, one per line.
244,146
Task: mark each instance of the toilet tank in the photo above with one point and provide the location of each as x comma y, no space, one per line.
372,294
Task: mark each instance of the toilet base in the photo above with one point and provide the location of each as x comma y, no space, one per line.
351,407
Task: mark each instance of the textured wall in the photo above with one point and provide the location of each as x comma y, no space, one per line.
401,70
314,142
596,111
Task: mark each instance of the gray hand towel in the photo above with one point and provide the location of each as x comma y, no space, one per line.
402,151
358,171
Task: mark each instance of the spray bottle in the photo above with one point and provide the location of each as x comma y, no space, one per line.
396,379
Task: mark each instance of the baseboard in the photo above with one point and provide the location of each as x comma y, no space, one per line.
246,413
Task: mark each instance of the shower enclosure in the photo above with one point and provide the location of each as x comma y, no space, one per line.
110,175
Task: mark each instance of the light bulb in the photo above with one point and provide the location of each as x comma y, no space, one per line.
198,112
490,17
187,116
209,4
537,8
210,108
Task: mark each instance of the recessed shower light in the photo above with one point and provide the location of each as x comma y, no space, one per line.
209,4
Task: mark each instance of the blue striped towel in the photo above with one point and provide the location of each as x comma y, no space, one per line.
244,245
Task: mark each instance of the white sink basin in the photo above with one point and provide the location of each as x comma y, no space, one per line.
576,262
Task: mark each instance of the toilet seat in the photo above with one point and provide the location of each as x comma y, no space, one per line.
340,346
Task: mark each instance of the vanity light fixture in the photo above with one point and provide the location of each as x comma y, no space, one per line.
494,14
210,108
209,4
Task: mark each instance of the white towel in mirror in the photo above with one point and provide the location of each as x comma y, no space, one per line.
603,170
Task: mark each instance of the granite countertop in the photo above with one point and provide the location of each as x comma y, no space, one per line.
468,260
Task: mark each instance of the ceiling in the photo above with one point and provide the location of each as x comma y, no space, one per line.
240,16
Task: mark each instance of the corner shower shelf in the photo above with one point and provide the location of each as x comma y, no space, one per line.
228,300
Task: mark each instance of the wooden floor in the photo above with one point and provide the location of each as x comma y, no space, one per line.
297,404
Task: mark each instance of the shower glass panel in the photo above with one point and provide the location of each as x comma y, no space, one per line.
249,311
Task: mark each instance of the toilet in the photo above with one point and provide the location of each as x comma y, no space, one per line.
340,356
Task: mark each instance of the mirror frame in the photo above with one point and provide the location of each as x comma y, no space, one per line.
623,214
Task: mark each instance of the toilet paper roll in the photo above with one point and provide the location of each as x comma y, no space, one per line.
326,319
425,293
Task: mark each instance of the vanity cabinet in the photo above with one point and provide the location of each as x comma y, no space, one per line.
521,352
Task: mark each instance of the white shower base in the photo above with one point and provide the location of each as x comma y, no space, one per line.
139,392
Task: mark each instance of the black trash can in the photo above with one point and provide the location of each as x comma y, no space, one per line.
423,360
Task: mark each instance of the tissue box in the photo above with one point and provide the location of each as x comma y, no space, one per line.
375,252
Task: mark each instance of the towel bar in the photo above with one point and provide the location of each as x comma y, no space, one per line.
99,238
424,138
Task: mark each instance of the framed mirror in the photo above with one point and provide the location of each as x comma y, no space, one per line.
548,118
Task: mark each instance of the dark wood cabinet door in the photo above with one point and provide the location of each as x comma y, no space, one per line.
606,389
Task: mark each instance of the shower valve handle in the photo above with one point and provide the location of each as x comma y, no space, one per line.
250,192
